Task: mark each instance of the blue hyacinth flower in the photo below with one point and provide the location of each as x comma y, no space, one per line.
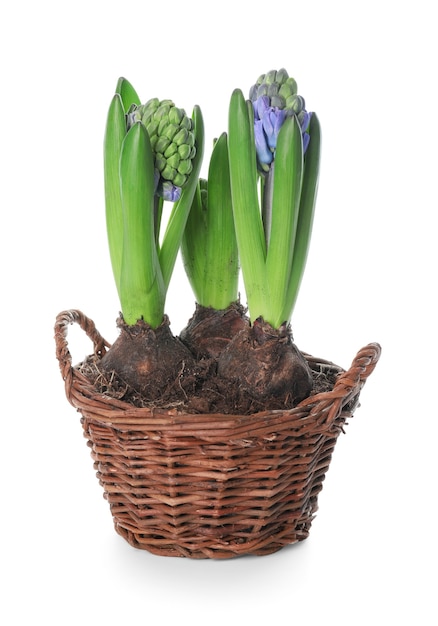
267,123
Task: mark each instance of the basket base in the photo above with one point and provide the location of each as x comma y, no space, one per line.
223,550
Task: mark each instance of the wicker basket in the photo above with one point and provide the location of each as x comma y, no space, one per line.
211,486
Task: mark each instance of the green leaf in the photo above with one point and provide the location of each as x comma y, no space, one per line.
142,292
114,134
193,244
178,217
309,192
221,255
209,246
127,94
287,180
246,208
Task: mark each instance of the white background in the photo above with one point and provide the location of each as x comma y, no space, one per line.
369,70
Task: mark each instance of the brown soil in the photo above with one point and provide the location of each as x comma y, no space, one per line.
257,369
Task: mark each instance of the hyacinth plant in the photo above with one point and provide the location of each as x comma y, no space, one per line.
274,162
274,148
210,254
152,154
258,204
209,244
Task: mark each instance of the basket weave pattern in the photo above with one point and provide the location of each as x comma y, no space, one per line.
210,486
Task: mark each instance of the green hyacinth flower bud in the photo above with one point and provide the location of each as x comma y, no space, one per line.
172,140
280,88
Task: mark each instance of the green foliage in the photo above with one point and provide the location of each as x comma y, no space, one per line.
141,269
273,215
209,246
254,211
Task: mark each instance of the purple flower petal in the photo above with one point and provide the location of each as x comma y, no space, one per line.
305,120
306,141
169,191
264,154
261,105
268,122
272,122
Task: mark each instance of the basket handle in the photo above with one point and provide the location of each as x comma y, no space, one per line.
63,321
348,384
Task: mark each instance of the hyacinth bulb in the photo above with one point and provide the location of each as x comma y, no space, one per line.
275,97
172,138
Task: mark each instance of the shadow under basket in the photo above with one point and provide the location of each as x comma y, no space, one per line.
211,486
